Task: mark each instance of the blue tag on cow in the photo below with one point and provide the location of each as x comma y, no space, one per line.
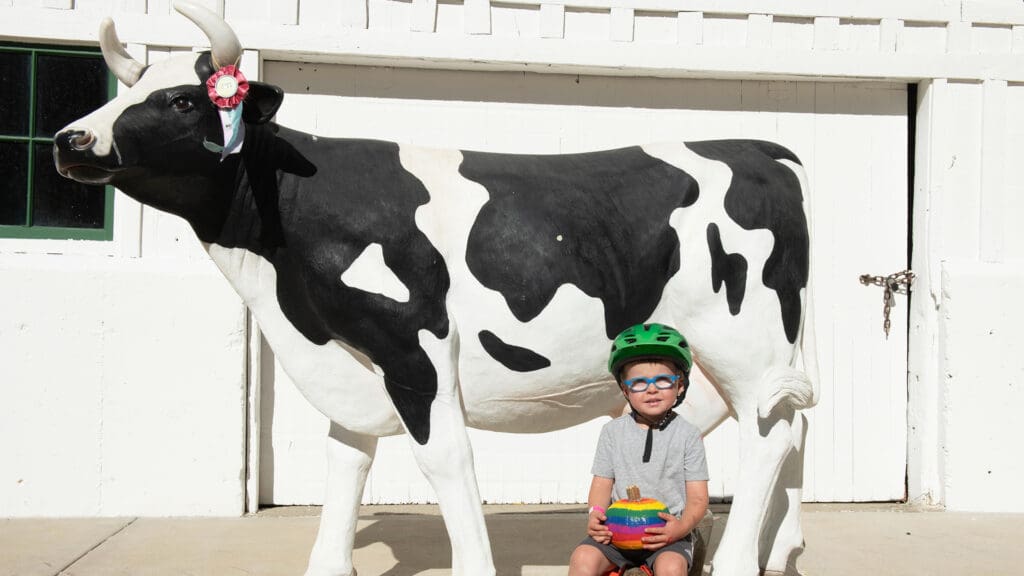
234,130
212,146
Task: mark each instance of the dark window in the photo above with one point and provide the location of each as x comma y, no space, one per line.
44,89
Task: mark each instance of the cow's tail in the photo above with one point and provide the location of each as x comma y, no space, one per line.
796,386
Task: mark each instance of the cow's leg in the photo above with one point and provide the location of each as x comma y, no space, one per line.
349,456
447,462
782,534
769,426
446,459
764,444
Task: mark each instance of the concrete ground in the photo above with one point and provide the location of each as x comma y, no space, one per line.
877,540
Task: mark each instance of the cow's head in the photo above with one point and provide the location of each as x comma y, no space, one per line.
158,140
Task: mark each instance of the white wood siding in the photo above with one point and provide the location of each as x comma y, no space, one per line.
913,39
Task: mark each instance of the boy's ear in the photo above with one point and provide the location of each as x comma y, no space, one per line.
261,103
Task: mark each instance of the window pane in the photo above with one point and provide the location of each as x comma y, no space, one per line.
14,78
57,201
13,182
67,88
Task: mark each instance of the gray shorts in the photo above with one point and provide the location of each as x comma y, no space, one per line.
622,558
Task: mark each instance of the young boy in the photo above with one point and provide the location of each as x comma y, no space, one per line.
651,448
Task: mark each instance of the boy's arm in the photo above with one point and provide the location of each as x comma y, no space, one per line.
696,506
677,528
598,499
600,492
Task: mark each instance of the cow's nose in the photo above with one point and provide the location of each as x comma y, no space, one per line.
77,140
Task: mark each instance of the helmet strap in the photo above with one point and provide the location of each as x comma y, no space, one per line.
651,426
684,386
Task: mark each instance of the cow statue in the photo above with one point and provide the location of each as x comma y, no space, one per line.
426,291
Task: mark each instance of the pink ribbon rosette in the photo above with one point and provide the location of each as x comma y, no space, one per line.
227,87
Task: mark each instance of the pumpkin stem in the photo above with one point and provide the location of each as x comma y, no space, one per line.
633,493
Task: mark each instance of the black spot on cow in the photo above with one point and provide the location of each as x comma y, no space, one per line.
311,206
598,221
512,357
766,194
730,269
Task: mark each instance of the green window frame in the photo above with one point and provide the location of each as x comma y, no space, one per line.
29,229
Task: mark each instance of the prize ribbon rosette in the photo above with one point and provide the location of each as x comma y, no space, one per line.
227,87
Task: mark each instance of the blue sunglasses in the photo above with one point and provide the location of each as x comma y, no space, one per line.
642,383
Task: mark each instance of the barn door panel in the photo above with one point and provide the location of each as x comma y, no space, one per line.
851,137
857,440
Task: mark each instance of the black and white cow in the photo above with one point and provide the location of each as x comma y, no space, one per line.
424,291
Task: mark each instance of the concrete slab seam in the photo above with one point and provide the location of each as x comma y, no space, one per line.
63,571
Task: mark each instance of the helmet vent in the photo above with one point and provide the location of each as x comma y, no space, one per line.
662,338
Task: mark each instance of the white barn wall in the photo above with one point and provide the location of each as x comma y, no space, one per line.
965,201
720,39
143,349
983,370
967,194
121,385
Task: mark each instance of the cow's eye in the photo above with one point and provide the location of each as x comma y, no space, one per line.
181,104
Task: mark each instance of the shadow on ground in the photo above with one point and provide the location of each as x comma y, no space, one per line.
518,540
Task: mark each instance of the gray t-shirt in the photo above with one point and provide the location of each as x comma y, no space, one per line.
677,456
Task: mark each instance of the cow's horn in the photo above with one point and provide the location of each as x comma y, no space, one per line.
121,64
224,46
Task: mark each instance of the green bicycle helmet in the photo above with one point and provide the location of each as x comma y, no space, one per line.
649,341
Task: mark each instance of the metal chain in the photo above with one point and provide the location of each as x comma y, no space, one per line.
898,283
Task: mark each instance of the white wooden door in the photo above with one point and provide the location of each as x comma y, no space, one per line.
851,137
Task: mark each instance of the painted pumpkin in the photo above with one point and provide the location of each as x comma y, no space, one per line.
629,517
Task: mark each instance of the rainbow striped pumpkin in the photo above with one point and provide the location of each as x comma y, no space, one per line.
629,517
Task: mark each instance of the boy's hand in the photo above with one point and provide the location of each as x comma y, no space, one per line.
664,535
596,528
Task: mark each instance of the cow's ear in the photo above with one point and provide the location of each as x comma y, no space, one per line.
261,103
